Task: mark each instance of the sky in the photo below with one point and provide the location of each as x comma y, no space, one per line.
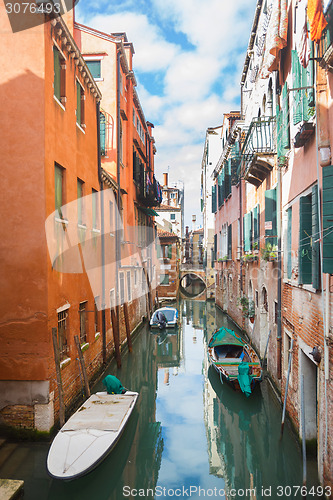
189,56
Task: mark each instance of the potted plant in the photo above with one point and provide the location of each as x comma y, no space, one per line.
247,306
269,252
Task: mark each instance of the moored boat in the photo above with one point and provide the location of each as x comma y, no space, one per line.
235,360
165,317
90,434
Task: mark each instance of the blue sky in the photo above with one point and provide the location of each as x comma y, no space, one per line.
188,60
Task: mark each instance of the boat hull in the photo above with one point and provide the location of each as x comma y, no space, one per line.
89,435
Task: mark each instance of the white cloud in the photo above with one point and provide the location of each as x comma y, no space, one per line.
152,52
195,85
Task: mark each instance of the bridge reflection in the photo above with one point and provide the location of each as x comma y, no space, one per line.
192,282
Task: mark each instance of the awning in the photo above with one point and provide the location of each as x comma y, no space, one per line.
148,211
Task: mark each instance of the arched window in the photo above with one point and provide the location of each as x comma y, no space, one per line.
264,299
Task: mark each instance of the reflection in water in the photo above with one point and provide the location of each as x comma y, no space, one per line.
192,286
187,430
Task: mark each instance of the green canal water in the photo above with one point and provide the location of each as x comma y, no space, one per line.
188,437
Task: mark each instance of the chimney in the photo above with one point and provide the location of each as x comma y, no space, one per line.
165,179
194,218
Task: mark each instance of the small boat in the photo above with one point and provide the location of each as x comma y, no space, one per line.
90,434
235,360
165,317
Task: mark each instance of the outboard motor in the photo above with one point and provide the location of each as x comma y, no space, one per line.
161,320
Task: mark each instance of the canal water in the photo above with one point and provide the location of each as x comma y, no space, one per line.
188,437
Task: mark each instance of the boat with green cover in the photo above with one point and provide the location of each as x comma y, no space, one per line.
235,360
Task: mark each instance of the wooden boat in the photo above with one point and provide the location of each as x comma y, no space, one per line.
235,360
165,317
90,434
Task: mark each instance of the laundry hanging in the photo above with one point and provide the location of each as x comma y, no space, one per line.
316,19
276,38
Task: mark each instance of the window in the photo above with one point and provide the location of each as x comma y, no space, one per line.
59,80
303,100
308,249
94,68
247,225
95,218
102,134
256,226
58,191
164,251
96,315
214,200
229,241
276,312
164,279
79,104
270,217
264,299
172,216
121,141
112,298
257,298
62,333
80,189
122,288
135,277
129,289
83,322
282,122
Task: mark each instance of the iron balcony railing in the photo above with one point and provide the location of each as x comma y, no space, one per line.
260,138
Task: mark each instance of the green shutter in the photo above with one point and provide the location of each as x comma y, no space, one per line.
328,219
219,189
270,217
256,224
247,221
57,70
95,68
58,175
315,240
289,240
230,241
227,178
169,251
78,103
297,102
215,248
304,248
102,123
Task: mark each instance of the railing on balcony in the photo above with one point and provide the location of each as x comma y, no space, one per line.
260,140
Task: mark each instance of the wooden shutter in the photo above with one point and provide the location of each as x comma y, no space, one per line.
315,240
58,175
297,103
57,70
169,251
230,241
215,247
310,78
256,224
219,189
78,103
328,219
289,240
247,231
270,217
102,128
304,247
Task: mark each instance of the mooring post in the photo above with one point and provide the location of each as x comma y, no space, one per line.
83,367
303,430
58,372
128,330
115,330
287,384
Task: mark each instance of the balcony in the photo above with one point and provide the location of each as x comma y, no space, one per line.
146,190
325,49
259,149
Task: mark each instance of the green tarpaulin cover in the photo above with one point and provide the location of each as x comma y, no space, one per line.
113,385
224,336
244,378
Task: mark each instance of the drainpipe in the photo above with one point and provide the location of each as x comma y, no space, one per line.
99,164
118,248
279,283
